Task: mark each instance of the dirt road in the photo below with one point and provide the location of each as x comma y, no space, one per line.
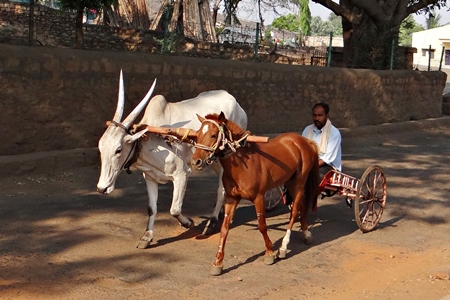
59,239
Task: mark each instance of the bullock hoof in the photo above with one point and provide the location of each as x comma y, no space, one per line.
269,259
143,244
216,270
282,253
188,225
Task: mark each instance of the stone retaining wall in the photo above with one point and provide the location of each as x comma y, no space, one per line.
56,99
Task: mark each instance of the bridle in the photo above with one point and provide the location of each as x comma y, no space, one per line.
224,139
129,160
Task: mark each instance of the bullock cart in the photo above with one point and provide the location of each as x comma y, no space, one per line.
367,196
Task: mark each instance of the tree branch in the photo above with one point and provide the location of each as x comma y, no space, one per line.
337,9
419,5
372,9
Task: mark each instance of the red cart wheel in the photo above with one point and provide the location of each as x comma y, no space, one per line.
370,198
273,198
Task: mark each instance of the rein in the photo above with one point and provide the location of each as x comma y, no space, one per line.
222,142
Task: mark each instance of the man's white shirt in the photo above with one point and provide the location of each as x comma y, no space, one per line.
333,154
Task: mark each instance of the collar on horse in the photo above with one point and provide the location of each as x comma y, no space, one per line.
225,143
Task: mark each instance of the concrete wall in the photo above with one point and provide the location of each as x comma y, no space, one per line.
54,99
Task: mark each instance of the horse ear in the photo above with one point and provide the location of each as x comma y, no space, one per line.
221,117
201,119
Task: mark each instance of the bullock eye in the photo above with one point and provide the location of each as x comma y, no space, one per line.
118,151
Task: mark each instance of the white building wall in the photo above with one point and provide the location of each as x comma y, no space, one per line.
438,38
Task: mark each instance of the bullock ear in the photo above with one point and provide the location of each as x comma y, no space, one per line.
132,138
221,117
201,119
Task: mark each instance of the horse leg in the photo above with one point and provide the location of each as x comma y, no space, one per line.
260,208
293,216
229,210
152,192
179,189
298,206
303,222
214,218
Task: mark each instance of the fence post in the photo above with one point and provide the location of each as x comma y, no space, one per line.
429,57
31,24
442,57
256,47
329,49
392,54
166,30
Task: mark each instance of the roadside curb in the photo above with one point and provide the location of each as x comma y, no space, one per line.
46,163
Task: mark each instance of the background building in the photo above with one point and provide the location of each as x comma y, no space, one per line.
432,45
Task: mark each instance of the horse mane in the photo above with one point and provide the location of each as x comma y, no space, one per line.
236,131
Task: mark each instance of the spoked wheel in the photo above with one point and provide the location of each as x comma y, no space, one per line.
273,198
370,198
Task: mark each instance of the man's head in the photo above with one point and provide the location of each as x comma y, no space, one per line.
320,114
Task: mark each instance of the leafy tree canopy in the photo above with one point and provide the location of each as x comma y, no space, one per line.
288,22
408,26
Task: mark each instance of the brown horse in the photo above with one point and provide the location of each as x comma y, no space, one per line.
251,169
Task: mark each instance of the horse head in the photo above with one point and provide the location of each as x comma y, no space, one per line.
118,143
216,135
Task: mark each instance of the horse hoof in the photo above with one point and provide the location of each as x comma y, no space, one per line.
143,244
308,240
282,253
210,227
269,259
216,270
208,230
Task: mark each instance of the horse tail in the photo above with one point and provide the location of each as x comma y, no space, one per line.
313,180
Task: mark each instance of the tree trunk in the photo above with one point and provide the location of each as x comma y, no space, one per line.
79,28
347,34
371,46
215,11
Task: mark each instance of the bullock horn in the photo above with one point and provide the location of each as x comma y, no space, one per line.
137,110
120,101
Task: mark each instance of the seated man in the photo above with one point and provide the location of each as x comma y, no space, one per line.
327,138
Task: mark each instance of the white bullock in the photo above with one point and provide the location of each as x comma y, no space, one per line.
160,161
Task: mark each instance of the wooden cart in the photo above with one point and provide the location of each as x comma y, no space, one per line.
367,195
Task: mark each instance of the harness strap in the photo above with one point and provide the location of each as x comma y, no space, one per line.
222,142
133,154
121,126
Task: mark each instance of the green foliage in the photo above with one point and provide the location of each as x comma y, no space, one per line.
335,22
319,27
305,18
433,21
169,44
288,22
408,26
